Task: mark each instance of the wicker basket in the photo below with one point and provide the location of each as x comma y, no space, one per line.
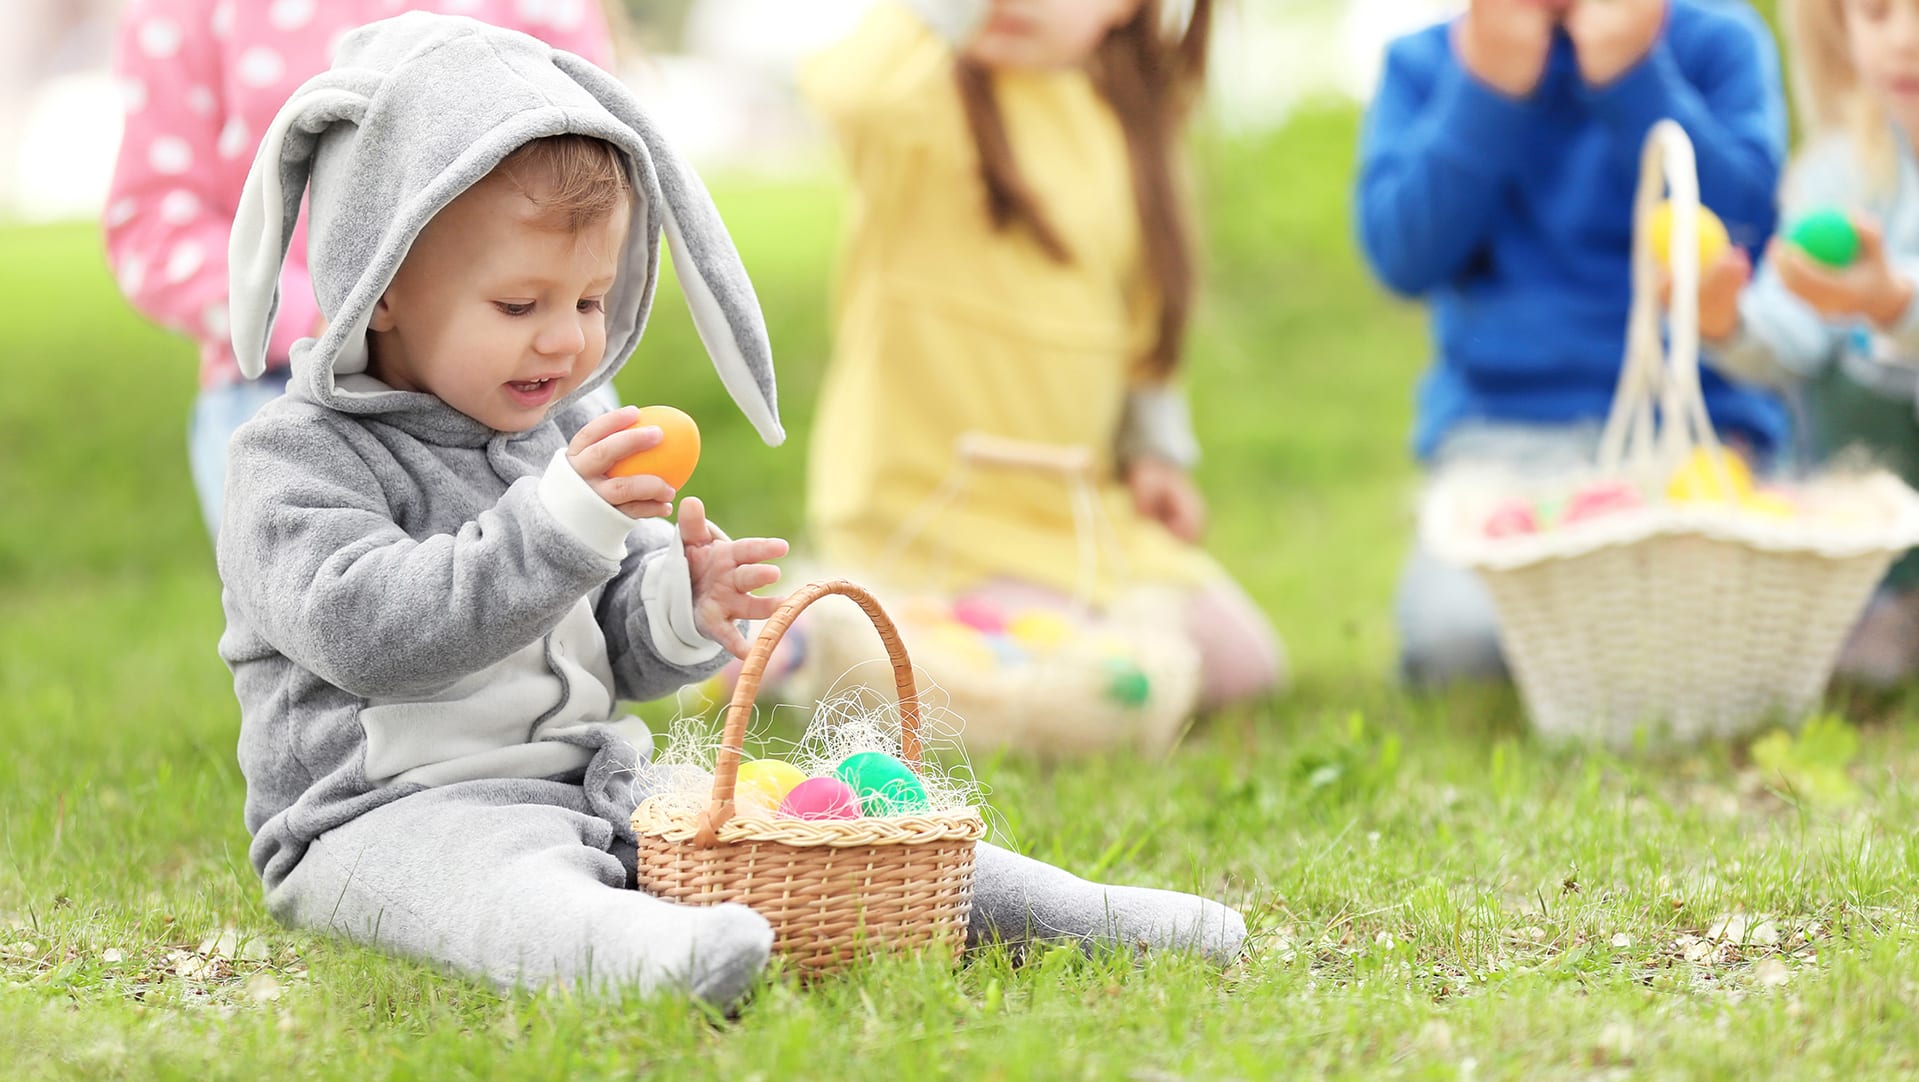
833,890
1693,619
1056,701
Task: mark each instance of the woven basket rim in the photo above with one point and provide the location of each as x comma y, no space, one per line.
660,817
1718,522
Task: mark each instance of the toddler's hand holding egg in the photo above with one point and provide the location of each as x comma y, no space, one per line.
673,458
605,449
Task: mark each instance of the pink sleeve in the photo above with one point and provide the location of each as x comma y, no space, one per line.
167,218
588,37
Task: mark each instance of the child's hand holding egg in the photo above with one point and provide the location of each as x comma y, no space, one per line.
636,459
1713,238
673,458
1837,264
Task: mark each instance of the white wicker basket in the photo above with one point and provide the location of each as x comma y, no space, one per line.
1686,620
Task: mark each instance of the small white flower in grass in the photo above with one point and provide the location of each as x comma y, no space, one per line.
263,988
158,38
1621,940
170,155
112,956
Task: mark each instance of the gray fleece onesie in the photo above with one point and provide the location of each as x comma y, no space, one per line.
431,623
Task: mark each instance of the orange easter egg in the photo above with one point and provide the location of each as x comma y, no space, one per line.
678,452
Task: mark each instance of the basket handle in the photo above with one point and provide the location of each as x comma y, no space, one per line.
1659,412
738,712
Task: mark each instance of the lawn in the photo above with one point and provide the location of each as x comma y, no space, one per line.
1437,894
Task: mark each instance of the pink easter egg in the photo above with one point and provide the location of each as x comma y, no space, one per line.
1512,518
979,614
821,798
1602,498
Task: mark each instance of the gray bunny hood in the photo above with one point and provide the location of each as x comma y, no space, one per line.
415,110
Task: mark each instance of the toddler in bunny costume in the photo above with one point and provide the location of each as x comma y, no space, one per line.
436,596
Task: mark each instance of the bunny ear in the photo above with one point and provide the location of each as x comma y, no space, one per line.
725,311
270,205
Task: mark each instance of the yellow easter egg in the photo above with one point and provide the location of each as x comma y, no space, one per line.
1037,629
763,783
959,643
1697,480
1713,238
1768,505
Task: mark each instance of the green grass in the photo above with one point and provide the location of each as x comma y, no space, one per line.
1436,894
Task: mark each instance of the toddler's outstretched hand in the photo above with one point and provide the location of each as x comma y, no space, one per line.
725,573
1166,494
1868,287
603,442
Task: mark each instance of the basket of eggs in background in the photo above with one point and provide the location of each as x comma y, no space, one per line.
1662,591
854,853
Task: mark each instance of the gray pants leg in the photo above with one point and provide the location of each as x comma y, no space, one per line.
1017,900
518,883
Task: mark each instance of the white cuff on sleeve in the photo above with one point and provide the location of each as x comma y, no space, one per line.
598,524
667,592
1159,423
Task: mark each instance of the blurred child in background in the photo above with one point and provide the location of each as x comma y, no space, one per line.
1845,339
1496,183
1020,263
201,80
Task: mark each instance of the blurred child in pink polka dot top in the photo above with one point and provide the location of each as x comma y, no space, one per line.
200,81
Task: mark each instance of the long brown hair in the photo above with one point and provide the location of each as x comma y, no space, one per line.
1150,80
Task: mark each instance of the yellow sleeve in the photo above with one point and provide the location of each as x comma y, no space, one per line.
882,80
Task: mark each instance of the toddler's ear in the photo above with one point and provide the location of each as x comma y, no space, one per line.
270,203
382,319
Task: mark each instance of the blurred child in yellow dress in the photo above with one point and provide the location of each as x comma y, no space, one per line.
1020,264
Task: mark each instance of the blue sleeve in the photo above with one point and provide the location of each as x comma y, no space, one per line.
1436,147
1728,96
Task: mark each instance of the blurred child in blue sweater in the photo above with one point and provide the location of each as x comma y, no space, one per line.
1496,183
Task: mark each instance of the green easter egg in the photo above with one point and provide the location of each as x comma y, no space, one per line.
885,785
1827,235
1126,683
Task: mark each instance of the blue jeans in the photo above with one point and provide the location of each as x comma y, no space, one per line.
1448,630
221,409
216,413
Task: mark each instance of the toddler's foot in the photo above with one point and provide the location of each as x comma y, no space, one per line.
1883,649
1017,899
713,952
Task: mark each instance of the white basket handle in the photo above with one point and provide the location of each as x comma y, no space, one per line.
1659,412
